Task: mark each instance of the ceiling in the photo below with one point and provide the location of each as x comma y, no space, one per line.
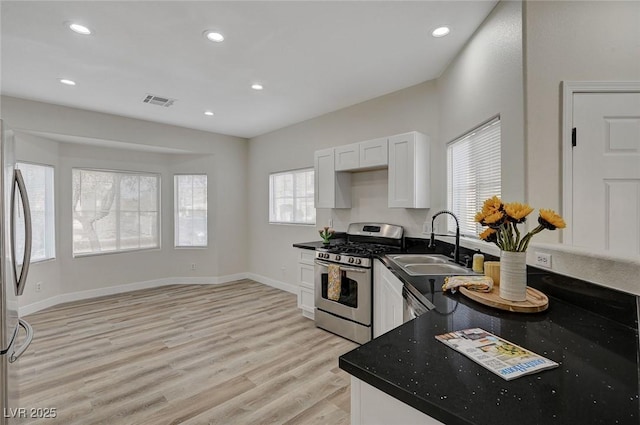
312,57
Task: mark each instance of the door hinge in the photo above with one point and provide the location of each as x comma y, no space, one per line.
573,137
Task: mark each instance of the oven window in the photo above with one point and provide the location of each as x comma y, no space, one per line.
348,290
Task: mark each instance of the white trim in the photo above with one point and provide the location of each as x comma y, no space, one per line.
569,88
274,283
118,289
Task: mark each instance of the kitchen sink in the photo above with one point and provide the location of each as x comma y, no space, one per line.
428,264
402,259
435,269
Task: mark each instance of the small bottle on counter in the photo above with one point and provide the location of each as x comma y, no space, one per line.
478,262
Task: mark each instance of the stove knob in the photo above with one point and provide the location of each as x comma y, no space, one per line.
337,258
351,260
358,261
326,255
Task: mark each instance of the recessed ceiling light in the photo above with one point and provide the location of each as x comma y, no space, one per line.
440,32
214,36
257,86
208,113
67,82
80,29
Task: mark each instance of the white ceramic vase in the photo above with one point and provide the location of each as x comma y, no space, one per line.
513,275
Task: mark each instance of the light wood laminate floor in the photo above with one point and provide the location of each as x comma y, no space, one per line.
239,353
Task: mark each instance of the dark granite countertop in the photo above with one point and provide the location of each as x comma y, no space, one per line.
592,332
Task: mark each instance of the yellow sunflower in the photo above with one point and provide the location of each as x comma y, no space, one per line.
491,205
489,235
517,212
494,218
479,217
551,220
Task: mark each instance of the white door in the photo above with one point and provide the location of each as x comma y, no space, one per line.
606,172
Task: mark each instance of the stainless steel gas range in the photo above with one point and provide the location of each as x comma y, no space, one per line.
344,279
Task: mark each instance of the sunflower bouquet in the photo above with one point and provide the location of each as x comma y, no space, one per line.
502,221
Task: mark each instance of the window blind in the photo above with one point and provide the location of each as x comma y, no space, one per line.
473,174
291,197
190,212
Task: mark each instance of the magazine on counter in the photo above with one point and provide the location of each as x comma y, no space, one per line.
501,357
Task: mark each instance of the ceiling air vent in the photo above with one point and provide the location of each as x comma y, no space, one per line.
158,100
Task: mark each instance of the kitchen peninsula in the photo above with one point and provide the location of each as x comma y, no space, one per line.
592,332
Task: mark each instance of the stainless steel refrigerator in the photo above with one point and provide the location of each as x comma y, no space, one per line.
14,267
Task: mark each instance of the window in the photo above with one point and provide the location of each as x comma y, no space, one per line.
38,180
291,197
473,174
190,200
115,211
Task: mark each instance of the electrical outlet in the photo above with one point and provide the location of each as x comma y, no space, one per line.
543,259
38,286
330,223
426,228
193,266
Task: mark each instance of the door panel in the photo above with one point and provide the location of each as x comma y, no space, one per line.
606,172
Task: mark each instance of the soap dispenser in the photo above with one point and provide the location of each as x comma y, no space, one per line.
478,262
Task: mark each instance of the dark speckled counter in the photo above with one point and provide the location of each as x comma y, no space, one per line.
597,381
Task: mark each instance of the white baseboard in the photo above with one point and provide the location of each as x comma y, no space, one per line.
118,289
274,283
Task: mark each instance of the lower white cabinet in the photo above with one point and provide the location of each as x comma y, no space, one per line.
306,301
387,300
370,406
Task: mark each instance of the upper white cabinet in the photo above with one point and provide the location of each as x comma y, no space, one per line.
332,189
362,156
409,171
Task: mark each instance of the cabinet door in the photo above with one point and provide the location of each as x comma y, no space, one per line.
347,157
332,189
374,153
388,302
409,171
306,275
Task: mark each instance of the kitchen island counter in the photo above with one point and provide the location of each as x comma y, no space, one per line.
597,381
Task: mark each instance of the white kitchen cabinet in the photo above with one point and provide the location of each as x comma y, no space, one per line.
332,189
362,156
370,406
374,153
347,157
387,300
409,167
306,301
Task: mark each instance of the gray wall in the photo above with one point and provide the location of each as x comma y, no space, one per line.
222,158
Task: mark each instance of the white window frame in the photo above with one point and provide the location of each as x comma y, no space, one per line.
484,137
176,201
49,211
118,250
272,197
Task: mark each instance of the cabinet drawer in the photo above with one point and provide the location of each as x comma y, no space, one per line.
306,256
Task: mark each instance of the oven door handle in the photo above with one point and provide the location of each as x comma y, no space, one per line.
348,269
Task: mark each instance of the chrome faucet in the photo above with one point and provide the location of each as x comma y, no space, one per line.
432,242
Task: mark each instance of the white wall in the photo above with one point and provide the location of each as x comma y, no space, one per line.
414,108
222,158
575,41
485,79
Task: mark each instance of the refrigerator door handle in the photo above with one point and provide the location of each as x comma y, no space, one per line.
16,354
26,260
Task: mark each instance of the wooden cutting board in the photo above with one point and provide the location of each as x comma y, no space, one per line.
536,300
